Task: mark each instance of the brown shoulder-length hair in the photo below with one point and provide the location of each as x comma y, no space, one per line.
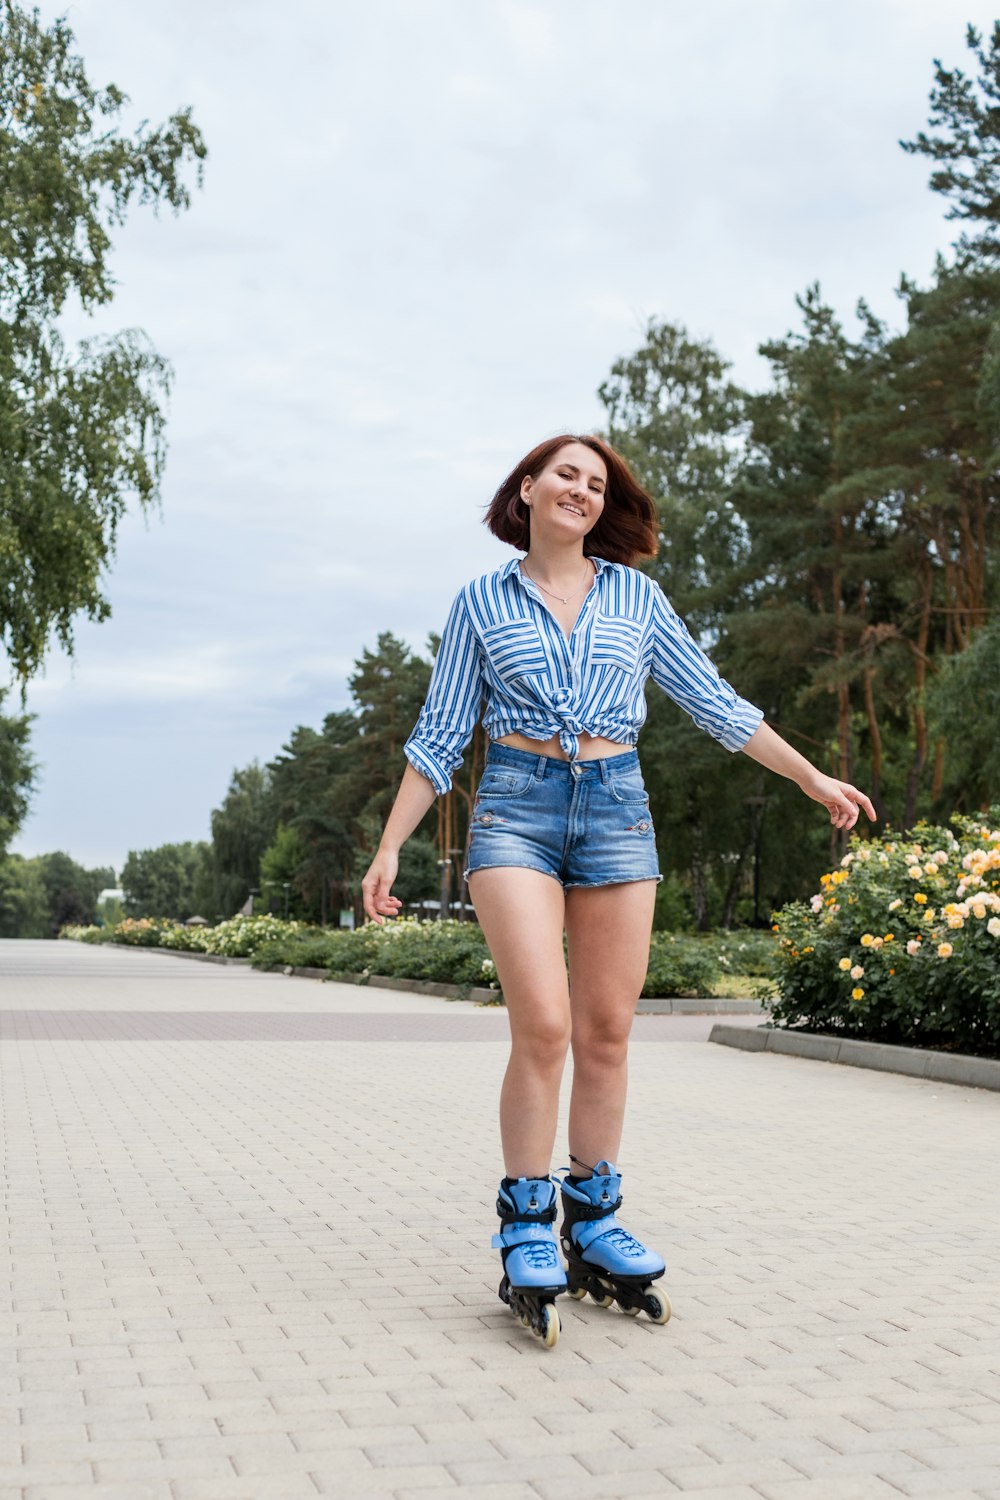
628,525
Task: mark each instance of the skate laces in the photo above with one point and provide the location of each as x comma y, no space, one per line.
624,1243
539,1254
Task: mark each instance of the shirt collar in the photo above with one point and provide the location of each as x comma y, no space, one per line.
514,566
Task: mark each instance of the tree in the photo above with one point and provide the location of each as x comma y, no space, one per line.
80,432
964,710
242,828
172,881
677,418
964,115
24,907
18,772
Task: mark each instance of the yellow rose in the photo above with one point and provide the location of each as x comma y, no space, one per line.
845,964
945,950
920,898
867,939
857,993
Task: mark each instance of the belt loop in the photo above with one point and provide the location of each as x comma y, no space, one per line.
540,767
605,771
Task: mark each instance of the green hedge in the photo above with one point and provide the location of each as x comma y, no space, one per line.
449,952
901,943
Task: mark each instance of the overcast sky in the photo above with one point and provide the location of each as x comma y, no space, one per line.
427,229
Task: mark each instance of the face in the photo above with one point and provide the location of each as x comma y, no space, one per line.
567,497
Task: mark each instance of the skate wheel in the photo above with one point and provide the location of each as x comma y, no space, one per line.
549,1319
657,1305
602,1301
630,1311
577,1293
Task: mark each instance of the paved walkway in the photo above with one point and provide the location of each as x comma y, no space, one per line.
249,1259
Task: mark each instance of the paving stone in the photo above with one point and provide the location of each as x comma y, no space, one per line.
227,1284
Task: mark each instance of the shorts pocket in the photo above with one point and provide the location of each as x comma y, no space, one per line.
615,643
628,787
504,781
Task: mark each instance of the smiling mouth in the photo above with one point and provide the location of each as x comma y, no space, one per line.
573,509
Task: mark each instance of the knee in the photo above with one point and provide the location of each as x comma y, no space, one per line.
544,1037
601,1041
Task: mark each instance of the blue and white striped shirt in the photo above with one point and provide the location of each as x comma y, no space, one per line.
503,643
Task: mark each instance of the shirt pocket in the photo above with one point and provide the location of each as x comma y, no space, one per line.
615,642
514,650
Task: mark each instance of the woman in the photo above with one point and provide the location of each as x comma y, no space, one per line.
559,643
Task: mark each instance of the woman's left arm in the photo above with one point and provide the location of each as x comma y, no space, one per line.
842,801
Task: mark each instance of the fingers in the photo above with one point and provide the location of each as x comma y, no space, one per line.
844,813
377,901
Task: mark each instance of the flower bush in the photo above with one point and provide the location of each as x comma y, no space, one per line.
450,952
901,943
91,934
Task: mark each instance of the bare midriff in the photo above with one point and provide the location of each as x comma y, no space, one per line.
592,746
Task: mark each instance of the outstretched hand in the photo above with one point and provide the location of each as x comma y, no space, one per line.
842,801
376,886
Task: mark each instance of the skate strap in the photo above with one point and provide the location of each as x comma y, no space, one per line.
520,1234
590,1209
511,1214
625,1244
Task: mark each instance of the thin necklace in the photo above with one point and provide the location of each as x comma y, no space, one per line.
569,597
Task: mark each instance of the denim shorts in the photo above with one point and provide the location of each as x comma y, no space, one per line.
583,822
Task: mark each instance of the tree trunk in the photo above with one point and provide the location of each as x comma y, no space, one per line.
699,886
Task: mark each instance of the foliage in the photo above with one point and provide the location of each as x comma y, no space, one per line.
39,896
242,936
679,966
242,830
79,433
902,942
971,773
172,881
448,952
24,904
18,770
966,145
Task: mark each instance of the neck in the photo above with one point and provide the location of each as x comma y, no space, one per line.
564,568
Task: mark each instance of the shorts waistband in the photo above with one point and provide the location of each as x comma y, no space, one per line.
551,765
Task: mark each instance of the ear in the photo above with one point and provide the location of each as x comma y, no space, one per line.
526,489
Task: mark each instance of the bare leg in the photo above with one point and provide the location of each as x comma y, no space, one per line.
521,913
607,928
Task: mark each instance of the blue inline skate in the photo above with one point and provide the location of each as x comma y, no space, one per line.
604,1259
533,1272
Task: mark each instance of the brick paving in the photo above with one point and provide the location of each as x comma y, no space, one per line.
248,1257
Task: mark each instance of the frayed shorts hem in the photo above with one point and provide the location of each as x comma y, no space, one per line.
569,885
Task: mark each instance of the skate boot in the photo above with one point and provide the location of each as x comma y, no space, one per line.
604,1259
533,1274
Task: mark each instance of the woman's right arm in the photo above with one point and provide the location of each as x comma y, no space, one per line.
413,800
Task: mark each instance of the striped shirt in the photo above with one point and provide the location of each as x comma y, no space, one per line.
502,644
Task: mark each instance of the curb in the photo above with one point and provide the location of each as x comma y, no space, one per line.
915,1062
679,1005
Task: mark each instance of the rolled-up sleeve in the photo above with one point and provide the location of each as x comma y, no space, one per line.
685,673
453,701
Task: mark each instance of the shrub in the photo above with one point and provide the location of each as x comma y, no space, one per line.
241,937
901,943
139,932
679,966
88,934
185,939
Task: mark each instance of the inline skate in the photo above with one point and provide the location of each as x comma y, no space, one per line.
533,1272
604,1259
